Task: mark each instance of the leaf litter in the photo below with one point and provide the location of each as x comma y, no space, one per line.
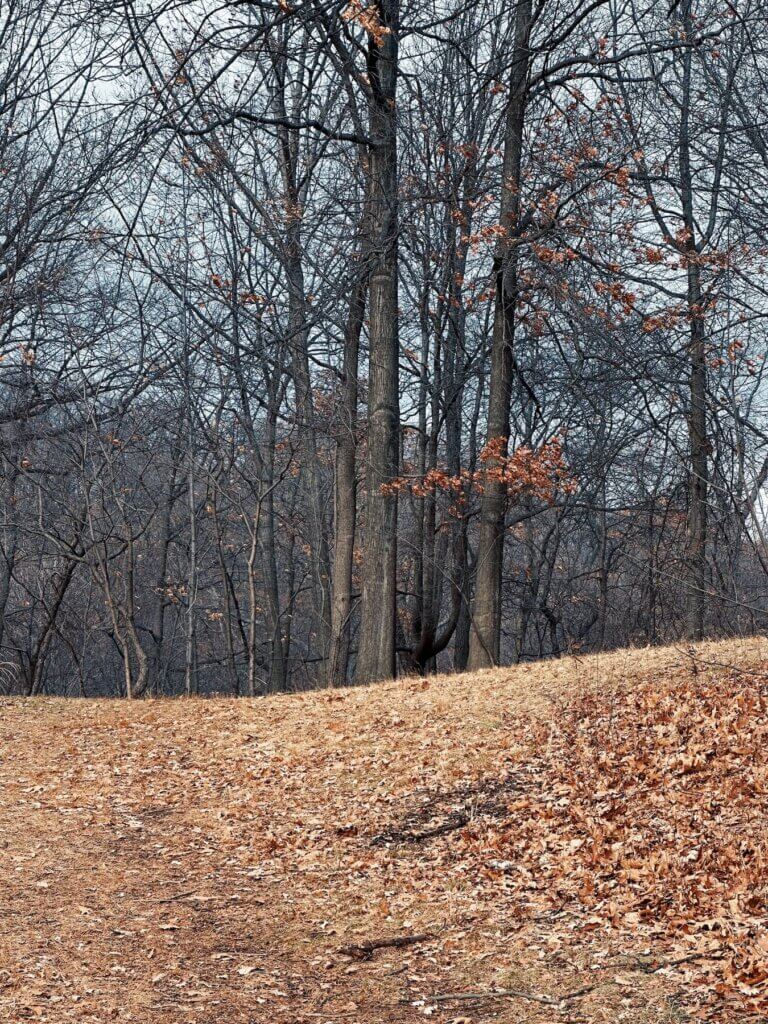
579,840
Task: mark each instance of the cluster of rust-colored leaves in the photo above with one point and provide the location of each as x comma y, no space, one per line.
647,811
539,473
368,18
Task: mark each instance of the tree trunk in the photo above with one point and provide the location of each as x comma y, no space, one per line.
8,545
346,492
157,630
485,637
376,652
698,469
289,156
226,587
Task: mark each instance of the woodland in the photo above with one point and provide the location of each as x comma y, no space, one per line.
401,366
342,340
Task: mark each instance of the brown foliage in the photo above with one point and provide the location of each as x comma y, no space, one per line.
539,473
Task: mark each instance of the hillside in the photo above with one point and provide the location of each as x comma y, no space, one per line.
582,840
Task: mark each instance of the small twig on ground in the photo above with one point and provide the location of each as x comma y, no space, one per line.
453,823
511,993
363,950
712,955
696,661
178,896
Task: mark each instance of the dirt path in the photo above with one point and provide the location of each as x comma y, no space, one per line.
115,905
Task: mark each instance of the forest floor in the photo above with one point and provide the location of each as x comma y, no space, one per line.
582,840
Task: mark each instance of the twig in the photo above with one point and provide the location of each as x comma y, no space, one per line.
453,823
739,670
713,955
178,896
367,949
511,993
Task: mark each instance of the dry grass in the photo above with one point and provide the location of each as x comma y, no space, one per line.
203,861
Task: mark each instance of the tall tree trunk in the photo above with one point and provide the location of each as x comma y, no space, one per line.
698,469
376,651
485,637
289,156
317,538
455,349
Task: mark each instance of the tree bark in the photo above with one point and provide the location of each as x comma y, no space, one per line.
346,491
485,636
289,155
376,651
698,469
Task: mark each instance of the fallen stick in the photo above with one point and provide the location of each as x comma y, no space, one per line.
178,896
714,954
367,949
511,993
453,823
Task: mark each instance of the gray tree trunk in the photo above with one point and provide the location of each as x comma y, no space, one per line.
376,651
698,469
485,636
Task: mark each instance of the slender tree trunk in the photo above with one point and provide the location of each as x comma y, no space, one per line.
455,348
346,492
289,155
485,636
698,470
142,663
161,582
44,640
8,546
376,653
267,540
253,598
190,644
464,624
226,586
309,469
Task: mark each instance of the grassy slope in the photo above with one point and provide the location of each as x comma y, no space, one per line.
204,861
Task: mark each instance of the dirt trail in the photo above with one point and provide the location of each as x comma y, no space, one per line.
115,906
